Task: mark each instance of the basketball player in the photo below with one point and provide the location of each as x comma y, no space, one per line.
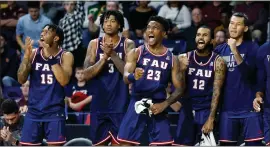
50,68
263,64
205,75
104,64
237,113
150,68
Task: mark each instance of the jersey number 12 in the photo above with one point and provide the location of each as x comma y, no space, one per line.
198,84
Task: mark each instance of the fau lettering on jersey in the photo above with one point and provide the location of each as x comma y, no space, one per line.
46,95
200,80
109,70
157,74
113,92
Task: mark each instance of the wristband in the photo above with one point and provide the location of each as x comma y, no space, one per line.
131,78
52,60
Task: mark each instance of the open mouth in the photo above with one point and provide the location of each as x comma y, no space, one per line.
233,31
201,42
41,39
151,37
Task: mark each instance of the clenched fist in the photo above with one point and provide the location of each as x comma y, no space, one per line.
183,60
232,43
138,73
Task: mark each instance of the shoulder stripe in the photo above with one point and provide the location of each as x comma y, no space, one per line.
34,57
140,49
61,56
97,44
172,58
215,62
125,45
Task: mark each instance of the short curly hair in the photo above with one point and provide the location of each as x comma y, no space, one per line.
118,16
9,106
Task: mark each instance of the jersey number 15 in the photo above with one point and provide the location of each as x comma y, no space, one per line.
46,79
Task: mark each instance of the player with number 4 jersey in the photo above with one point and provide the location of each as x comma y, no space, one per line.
104,65
205,74
50,69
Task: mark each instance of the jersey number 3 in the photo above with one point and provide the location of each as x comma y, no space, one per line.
46,79
111,68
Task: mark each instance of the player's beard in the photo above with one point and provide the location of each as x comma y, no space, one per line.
207,47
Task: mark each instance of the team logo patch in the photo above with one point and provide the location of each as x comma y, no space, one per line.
168,58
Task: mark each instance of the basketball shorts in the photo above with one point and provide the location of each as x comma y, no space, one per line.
34,132
105,126
189,126
231,127
266,124
133,125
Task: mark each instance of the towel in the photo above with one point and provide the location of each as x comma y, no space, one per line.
143,106
208,140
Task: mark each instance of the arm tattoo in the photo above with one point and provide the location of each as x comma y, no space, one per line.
87,62
119,63
91,69
218,83
179,91
24,70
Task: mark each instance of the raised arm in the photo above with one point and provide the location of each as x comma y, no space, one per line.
63,72
119,63
220,72
130,66
91,67
25,66
246,66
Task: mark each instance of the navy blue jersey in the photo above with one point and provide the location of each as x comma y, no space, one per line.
157,74
112,95
46,95
87,89
263,74
200,81
240,84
